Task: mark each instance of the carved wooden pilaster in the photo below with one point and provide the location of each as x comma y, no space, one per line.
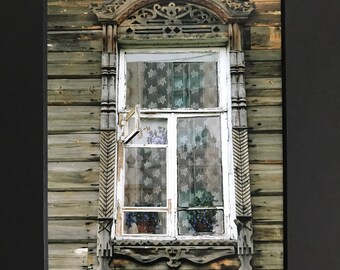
109,76
239,123
107,147
240,148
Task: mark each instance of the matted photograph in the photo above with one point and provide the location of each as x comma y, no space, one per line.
165,135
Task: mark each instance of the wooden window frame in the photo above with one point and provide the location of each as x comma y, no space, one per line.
224,113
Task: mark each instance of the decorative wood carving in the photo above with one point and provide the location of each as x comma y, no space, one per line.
171,13
175,253
241,172
245,247
170,20
104,247
119,10
107,173
109,74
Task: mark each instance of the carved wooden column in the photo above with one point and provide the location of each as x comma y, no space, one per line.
107,146
240,148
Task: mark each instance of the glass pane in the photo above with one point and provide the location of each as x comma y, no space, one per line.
199,160
172,81
153,131
208,221
145,223
145,177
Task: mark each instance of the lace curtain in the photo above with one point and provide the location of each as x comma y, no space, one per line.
157,85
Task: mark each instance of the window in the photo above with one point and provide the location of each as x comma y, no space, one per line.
175,168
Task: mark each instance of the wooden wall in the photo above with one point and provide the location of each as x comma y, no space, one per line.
74,48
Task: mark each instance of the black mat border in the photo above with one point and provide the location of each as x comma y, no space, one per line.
312,148
312,126
23,134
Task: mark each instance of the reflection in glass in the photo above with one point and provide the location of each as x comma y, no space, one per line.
145,177
152,131
208,221
199,161
145,222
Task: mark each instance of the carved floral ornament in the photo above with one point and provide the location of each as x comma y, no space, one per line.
118,11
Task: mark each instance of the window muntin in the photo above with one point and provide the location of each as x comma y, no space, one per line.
160,133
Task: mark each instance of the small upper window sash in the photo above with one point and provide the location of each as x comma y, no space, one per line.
164,80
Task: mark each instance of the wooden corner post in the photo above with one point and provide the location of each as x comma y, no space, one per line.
240,148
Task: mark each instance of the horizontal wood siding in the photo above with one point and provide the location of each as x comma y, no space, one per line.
73,175
71,256
74,68
78,92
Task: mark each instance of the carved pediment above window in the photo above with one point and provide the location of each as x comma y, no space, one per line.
200,11
171,13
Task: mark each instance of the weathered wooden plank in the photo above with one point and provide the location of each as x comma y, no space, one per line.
74,91
268,232
74,70
74,41
268,256
73,147
265,38
263,83
71,14
74,64
67,256
266,179
72,230
265,97
267,209
259,18
73,57
73,204
73,175
262,55
265,118
69,6
263,69
263,93
73,118
85,20
265,148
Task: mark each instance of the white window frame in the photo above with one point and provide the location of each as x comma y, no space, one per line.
224,111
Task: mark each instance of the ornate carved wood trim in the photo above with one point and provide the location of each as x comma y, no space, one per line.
245,247
241,172
170,20
107,147
227,10
107,174
240,149
175,254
